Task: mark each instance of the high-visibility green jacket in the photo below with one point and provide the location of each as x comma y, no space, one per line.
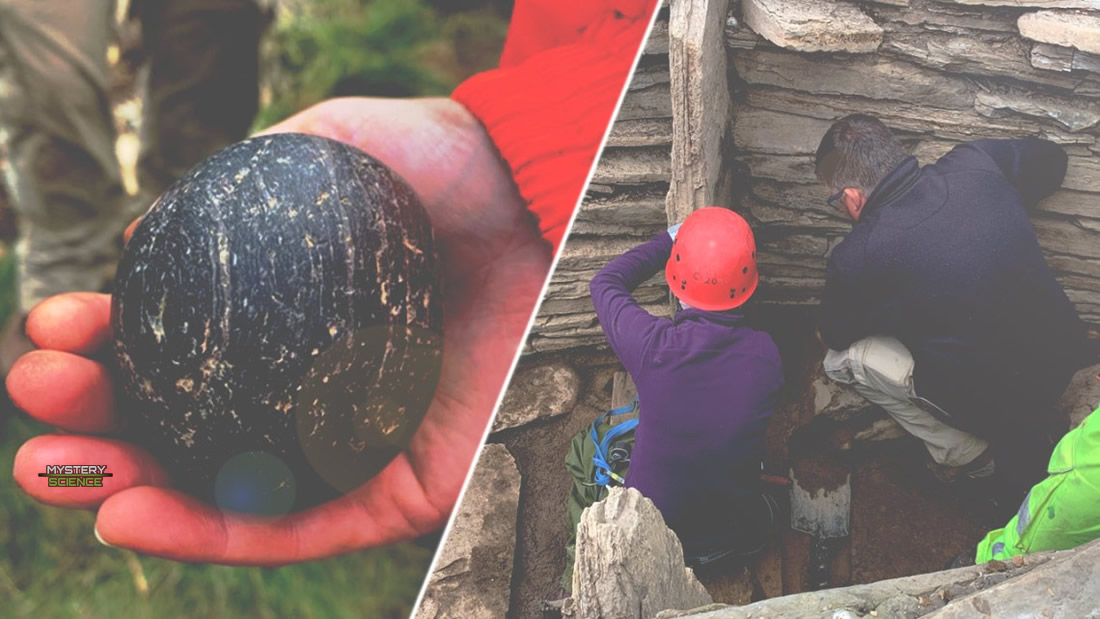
1063,510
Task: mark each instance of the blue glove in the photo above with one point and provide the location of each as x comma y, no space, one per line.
673,230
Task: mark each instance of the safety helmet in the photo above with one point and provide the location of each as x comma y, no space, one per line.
713,262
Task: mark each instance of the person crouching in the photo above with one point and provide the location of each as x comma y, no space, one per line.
707,385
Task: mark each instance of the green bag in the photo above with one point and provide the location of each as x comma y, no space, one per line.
590,479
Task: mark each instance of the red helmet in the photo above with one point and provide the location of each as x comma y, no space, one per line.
713,261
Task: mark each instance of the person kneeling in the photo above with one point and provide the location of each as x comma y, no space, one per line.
707,385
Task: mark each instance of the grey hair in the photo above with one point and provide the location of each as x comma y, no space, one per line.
857,151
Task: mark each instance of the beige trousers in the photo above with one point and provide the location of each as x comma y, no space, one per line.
881,369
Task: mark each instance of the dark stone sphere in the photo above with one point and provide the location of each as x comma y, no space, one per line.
278,324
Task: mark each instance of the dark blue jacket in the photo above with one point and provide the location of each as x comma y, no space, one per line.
707,384
945,259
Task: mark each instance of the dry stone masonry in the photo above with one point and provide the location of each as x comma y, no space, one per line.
624,206
739,130
945,72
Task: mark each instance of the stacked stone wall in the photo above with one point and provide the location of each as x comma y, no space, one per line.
940,72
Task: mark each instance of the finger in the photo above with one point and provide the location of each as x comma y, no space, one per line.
169,524
64,390
130,230
128,465
77,322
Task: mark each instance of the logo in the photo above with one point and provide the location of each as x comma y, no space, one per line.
73,476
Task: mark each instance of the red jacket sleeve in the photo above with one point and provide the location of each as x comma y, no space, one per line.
548,105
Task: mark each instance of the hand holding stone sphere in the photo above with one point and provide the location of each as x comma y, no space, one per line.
493,264
277,320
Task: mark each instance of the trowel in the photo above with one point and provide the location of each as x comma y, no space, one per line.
822,512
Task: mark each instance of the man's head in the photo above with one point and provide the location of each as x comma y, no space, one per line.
713,262
856,153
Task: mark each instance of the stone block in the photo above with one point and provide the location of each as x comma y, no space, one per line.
1073,114
632,166
813,25
1065,59
641,132
874,77
538,393
1076,29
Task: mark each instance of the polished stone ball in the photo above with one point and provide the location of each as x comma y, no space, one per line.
277,317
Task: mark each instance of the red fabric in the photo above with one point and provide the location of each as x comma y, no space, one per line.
548,106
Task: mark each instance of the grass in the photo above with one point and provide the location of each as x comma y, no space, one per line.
52,566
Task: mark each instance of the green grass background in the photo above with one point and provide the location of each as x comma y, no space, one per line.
50,562
52,566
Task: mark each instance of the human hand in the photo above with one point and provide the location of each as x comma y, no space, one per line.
494,266
673,230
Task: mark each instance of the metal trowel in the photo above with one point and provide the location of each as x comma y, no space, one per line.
823,513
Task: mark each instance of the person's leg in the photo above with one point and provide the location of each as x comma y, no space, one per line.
750,526
881,370
57,126
201,84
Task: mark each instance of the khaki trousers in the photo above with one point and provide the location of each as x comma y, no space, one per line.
881,369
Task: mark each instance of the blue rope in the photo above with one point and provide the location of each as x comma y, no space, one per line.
603,474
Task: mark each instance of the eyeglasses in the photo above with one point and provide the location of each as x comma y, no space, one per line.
833,199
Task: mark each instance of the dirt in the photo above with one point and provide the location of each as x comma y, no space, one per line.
903,522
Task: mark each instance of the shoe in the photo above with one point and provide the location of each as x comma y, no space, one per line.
553,603
979,468
14,343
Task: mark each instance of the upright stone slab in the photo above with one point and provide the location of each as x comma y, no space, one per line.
813,25
473,574
629,564
700,107
1077,29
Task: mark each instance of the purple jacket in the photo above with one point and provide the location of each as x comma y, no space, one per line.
707,384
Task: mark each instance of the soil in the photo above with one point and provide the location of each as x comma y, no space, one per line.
896,502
